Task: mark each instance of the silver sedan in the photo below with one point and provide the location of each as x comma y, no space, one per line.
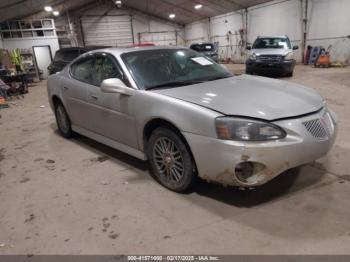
189,116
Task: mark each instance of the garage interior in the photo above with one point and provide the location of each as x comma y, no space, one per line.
78,196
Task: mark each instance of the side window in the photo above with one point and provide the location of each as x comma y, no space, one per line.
82,70
105,68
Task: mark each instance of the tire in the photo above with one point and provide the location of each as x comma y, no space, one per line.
290,74
249,72
63,121
170,159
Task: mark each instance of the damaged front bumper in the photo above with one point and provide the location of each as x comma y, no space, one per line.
308,138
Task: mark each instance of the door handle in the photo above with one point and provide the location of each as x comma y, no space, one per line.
94,98
65,88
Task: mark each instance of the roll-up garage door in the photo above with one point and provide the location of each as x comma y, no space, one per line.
107,30
159,38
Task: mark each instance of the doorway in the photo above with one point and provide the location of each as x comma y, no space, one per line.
43,58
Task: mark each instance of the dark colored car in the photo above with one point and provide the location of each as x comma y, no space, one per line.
66,55
208,49
271,55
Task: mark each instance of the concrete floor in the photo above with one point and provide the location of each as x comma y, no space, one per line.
77,196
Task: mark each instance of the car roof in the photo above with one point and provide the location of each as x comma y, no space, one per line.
129,49
273,36
204,43
85,48
69,49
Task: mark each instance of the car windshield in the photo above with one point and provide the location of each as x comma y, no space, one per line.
164,68
272,42
202,47
67,55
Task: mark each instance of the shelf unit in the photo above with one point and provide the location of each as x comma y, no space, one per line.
29,64
27,28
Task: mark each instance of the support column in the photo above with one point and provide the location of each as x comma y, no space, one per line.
304,10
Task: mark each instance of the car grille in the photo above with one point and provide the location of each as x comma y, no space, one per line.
316,128
269,58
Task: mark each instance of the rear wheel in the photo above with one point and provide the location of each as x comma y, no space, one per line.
249,72
63,121
171,160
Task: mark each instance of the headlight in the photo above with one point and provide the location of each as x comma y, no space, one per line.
252,56
289,56
230,128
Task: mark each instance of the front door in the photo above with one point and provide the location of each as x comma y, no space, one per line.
111,114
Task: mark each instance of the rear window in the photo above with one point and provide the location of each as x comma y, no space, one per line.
202,47
67,55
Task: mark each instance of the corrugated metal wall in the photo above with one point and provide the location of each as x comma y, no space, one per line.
159,38
111,30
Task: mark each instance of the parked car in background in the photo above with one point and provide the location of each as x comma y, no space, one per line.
189,116
271,55
207,49
66,55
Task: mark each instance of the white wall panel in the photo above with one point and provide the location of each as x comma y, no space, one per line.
225,30
107,30
329,18
144,24
140,22
159,38
277,18
329,24
26,43
196,32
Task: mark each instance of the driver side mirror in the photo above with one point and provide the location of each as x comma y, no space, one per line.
115,85
295,47
248,47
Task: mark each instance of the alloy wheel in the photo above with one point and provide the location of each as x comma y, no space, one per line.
62,119
168,160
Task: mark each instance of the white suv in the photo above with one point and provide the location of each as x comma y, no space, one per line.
271,55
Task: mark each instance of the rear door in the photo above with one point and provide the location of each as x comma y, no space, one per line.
75,88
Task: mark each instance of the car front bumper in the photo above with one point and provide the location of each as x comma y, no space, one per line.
265,67
217,159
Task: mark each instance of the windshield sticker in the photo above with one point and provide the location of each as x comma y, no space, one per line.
202,61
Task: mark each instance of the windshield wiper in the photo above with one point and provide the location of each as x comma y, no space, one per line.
175,84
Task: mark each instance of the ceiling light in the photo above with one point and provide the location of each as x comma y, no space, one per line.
172,16
48,8
118,2
56,13
199,6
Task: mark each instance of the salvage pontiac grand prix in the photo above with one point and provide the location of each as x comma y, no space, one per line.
189,116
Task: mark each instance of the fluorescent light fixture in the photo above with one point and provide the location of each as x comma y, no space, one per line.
199,6
118,2
48,8
56,13
172,16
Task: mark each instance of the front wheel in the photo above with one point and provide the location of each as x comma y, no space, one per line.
170,160
63,121
290,74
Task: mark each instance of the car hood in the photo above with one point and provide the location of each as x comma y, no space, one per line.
271,51
250,96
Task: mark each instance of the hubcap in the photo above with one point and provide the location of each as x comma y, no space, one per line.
62,119
168,160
